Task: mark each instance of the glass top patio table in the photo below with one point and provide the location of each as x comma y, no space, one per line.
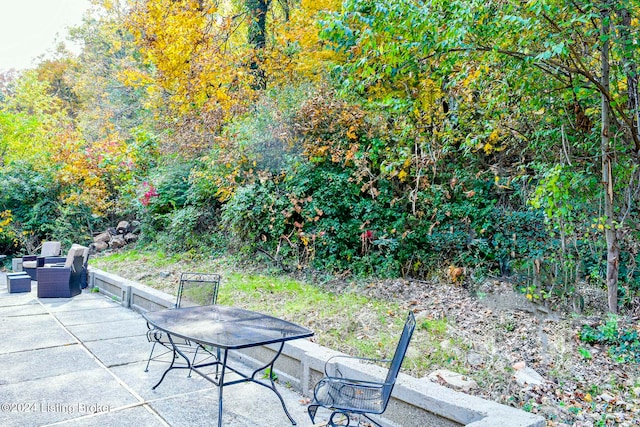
227,328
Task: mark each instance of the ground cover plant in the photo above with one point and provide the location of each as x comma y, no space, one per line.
483,333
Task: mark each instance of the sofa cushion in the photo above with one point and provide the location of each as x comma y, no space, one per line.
50,249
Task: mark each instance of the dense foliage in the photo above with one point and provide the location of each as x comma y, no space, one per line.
623,344
385,138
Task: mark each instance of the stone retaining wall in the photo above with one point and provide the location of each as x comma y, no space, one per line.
415,402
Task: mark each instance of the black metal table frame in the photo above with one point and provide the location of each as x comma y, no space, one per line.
220,374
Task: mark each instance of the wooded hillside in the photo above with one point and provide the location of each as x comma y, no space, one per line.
379,138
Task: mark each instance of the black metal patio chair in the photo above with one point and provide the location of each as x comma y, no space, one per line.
349,396
194,289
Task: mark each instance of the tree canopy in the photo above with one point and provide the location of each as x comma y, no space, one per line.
386,138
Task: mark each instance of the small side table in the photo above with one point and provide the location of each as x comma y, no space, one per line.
18,282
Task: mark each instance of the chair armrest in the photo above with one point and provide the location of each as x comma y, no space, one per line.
56,265
154,334
54,259
361,359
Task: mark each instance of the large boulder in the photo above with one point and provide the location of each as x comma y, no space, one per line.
102,237
130,237
98,247
123,227
117,242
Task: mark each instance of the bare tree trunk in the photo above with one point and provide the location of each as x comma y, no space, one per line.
257,37
613,249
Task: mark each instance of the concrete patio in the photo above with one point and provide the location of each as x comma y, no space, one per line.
80,362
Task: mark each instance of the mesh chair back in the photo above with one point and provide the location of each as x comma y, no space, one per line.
398,357
197,289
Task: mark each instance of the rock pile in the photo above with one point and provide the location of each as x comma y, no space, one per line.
115,238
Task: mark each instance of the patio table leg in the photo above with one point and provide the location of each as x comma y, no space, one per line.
269,367
271,385
221,386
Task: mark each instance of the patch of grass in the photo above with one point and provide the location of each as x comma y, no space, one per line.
114,258
347,321
145,266
436,327
353,322
268,374
586,354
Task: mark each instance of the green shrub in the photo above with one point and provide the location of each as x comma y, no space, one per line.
161,198
8,236
170,184
253,217
624,344
319,216
346,229
32,197
189,228
74,225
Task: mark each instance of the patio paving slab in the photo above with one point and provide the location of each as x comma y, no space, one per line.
201,408
47,400
114,329
95,316
24,333
19,299
89,301
138,416
179,383
120,351
44,363
28,309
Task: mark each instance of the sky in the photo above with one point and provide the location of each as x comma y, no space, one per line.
30,28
